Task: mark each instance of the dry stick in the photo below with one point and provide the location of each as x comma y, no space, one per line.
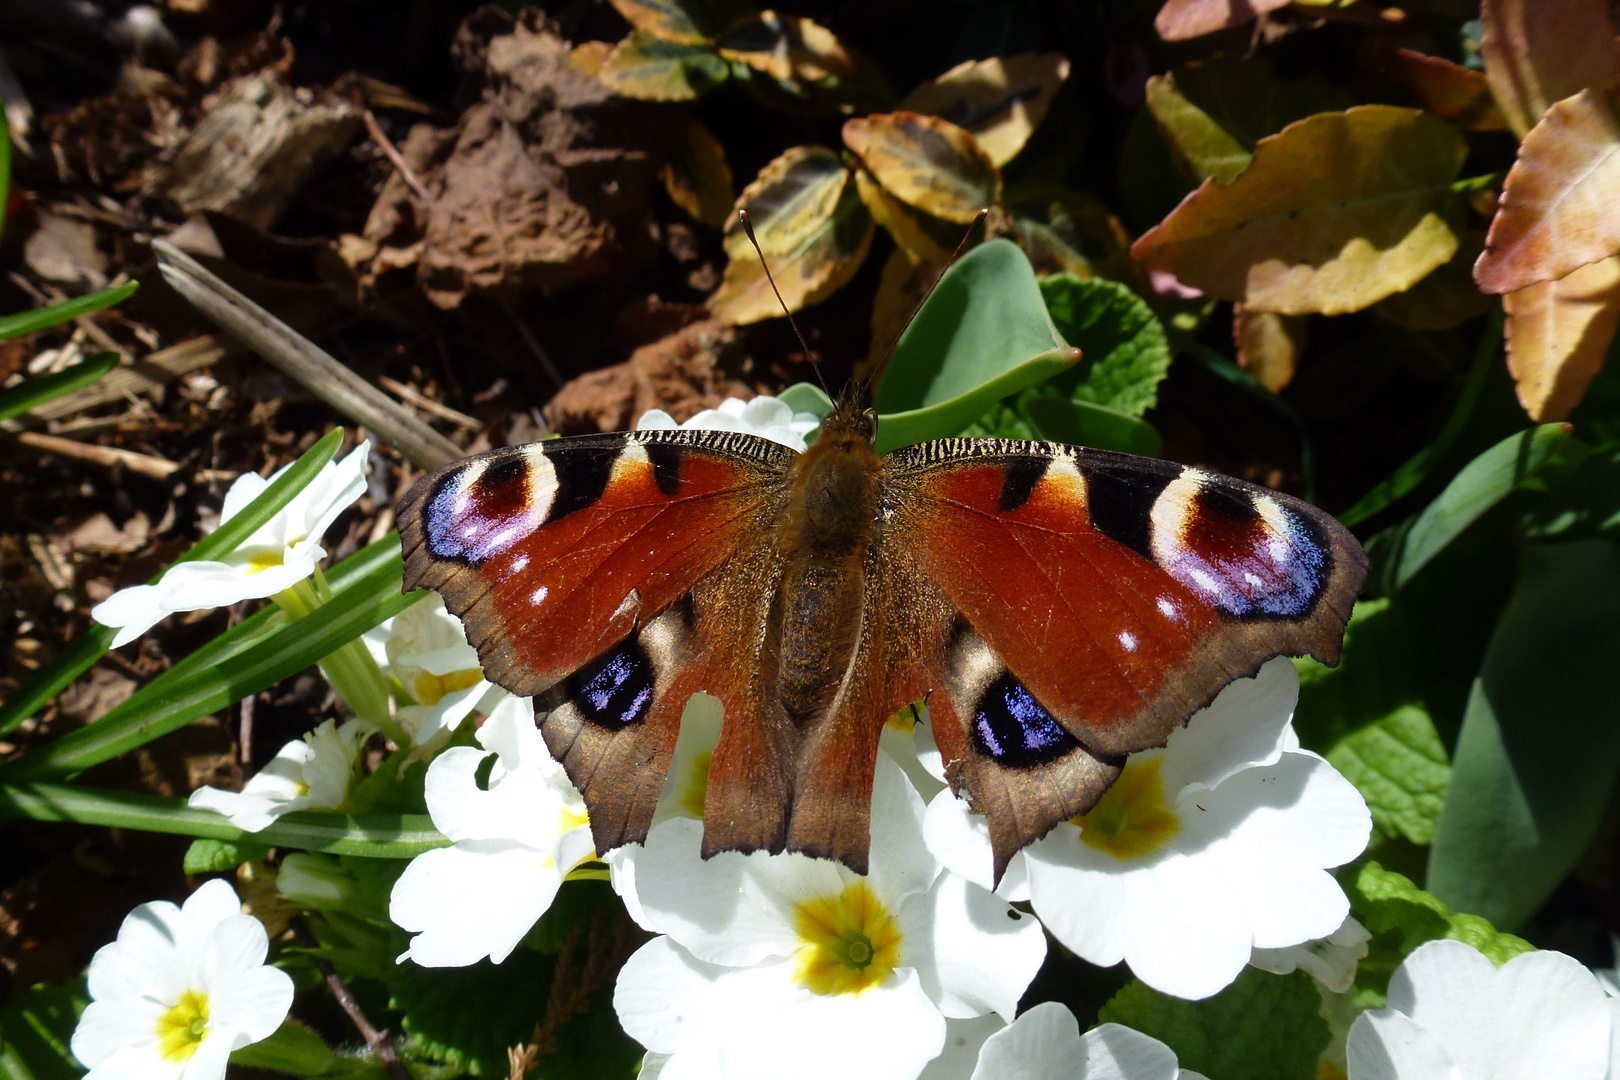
390,151
303,361
145,464
381,1045
415,397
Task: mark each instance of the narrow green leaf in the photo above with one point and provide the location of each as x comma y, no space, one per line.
1262,1027
291,1048
1400,767
85,651
376,836
281,653
982,335
36,392
1124,351
1484,482
35,1028
26,322
1535,763
1081,423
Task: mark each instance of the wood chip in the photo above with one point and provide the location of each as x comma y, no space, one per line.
145,464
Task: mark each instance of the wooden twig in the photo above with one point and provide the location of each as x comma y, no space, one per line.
145,464
137,378
379,1041
571,989
390,151
303,361
411,396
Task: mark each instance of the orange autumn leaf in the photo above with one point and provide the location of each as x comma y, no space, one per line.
1179,20
1558,334
1558,209
1001,100
1451,91
1537,52
1335,212
927,163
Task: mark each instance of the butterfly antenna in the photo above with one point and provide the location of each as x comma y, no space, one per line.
748,228
883,364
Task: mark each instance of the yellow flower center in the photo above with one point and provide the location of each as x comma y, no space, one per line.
905,720
263,561
851,942
1131,818
692,788
428,688
183,1026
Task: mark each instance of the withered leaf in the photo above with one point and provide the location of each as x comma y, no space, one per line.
697,176
1268,345
1537,52
1445,298
1336,212
1179,20
1451,91
666,20
790,200
1558,334
787,47
1001,100
822,263
1204,147
919,235
642,66
926,162
1559,207
589,56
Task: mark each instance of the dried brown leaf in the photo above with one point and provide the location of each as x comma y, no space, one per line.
1179,20
787,47
927,163
1558,209
1451,91
1540,51
697,176
1336,212
666,20
1268,345
1558,334
1001,100
589,56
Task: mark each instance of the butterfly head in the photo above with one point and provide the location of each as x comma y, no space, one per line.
852,419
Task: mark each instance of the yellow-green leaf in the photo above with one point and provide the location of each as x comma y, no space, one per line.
1001,100
1558,335
923,238
787,47
666,20
927,163
790,200
1446,297
823,256
697,176
1268,345
1336,212
642,66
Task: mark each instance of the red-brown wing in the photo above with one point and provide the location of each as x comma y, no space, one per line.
579,568
1114,595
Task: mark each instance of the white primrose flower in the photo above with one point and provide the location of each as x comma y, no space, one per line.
179,989
1454,1015
514,837
279,554
1200,853
1045,1044
312,773
765,416
788,966
1331,961
425,649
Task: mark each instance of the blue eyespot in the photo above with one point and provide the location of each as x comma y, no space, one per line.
1010,726
614,690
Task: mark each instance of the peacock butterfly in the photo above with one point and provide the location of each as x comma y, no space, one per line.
1059,607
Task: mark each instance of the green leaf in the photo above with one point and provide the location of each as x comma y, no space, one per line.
1227,371
1401,551
1080,423
374,836
27,322
642,66
36,392
807,397
982,335
1535,763
281,653
35,1029
1124,352
291,1048
208,856
87,649
1399,765
1262,1027
1580,505
1400,916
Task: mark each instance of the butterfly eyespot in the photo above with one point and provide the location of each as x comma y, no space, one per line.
1010,726
614,690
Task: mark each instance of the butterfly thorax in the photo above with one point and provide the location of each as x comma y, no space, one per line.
829,523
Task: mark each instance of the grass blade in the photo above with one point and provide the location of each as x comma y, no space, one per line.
36,392
43,318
